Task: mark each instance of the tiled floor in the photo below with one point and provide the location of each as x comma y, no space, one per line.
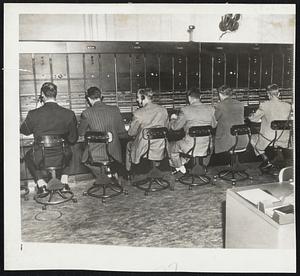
179,218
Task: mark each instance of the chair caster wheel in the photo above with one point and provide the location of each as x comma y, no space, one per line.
233,183
44,207
74,200
84,193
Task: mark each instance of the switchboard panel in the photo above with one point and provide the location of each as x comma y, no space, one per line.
287,71
219,70
193,64
255,64
123,72
138,71
231,70
26,67
266,72
180,64
206,71
243,70
42,67
166,72
107,72
152,71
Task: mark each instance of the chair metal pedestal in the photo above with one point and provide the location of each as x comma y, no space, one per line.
154,181
196,176
106,186
279,126
55,192
234,173
107,183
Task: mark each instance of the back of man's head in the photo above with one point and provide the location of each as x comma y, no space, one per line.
94,93
49,89
194,93
225,90
273,90
146,92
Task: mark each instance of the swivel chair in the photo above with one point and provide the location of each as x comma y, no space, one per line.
280,126
53,160
107,183
234,173
198,170
155,178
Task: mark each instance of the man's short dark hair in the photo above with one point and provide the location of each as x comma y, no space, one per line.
94,93
147,92
194,93
273,89
49,89
225,90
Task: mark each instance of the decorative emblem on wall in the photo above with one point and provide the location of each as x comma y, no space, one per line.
229,23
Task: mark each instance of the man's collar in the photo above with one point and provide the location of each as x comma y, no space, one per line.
98,103
50,101
196,103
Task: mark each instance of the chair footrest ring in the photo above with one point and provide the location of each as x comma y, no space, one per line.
152,184
190,179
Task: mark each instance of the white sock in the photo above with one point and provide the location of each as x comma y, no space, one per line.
64,179
181,169
41,182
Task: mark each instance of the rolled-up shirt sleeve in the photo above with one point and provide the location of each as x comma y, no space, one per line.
178,123
134,126
256,117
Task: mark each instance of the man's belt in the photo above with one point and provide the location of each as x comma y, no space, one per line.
49,140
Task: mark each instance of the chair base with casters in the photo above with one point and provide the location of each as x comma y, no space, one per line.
55,193
106,185
196,176
234,173
24,189
154,181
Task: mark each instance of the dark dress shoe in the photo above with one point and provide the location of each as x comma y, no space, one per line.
42,191
66,188
265,165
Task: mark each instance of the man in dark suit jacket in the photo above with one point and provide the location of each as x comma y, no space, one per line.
228,112
49,119
102,117
150,115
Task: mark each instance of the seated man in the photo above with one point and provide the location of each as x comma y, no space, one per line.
228,112
149,115
268,111
196,114
102,117
49,119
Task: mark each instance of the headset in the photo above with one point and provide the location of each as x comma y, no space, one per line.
40,98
